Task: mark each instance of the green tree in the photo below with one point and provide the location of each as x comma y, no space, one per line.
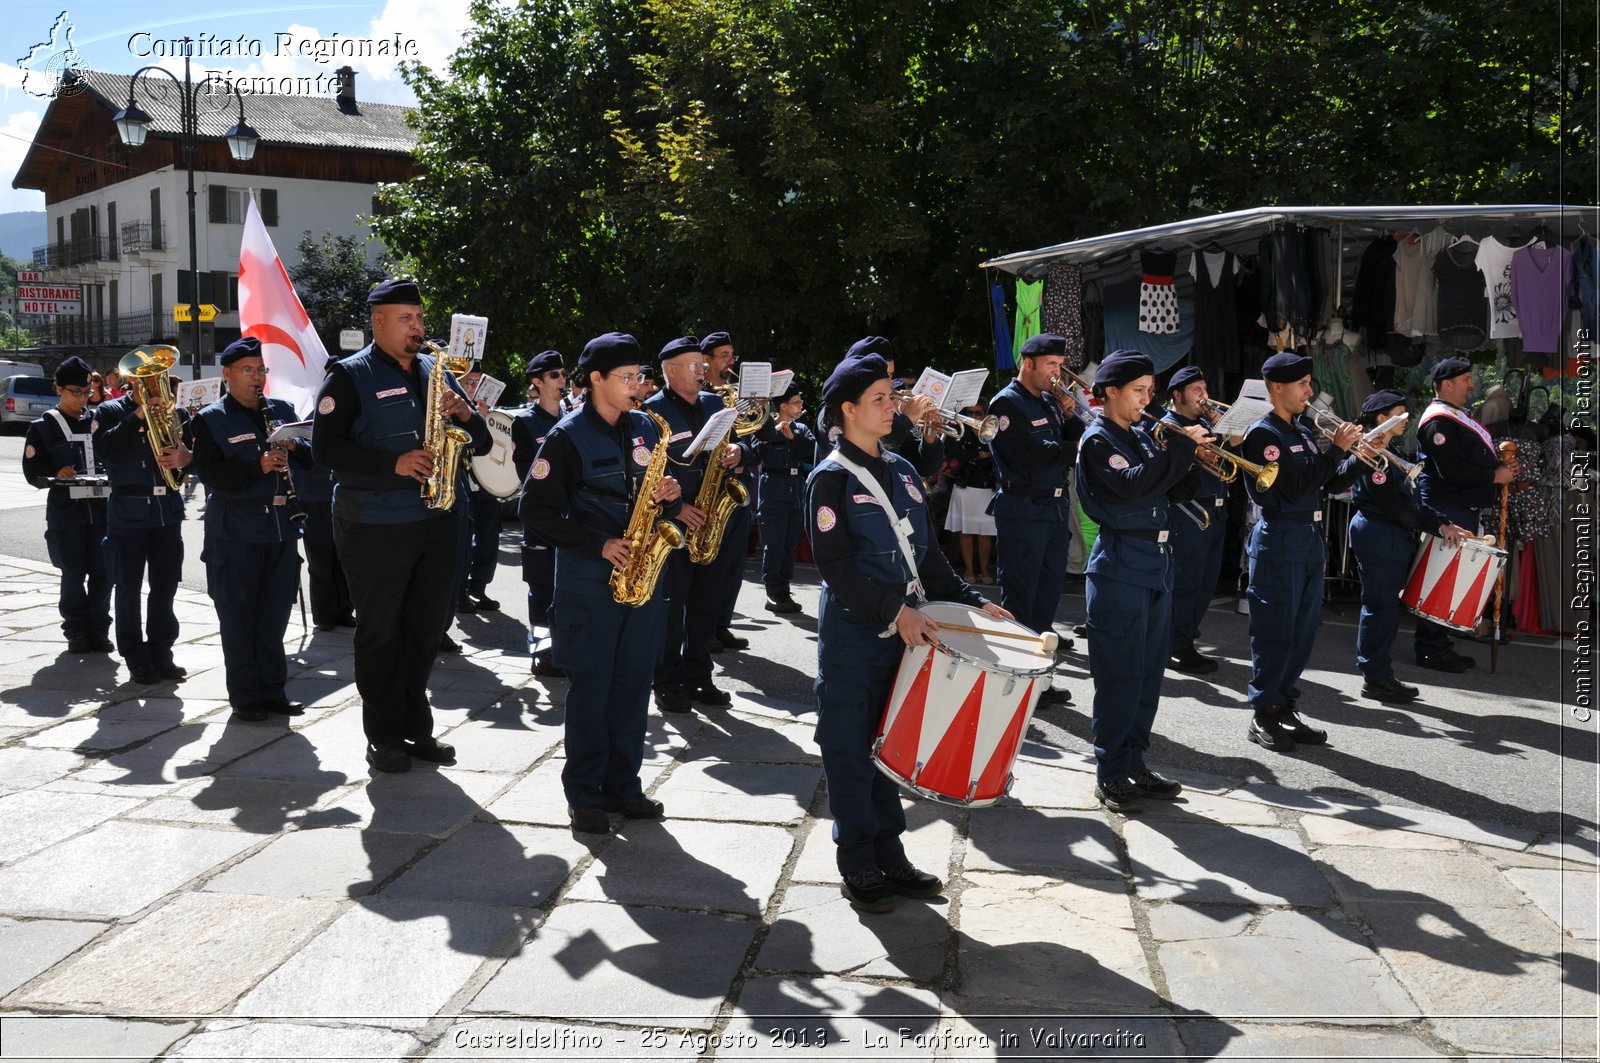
332,279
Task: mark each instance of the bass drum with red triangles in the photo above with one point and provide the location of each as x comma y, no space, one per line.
957,713
1450,585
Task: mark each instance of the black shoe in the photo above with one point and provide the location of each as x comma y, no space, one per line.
449,645
325,625
388,758
1154,786
590,820
1081,630
347,620
782,603
465,604
145,676
486,603
1189,661
1462,660
101,644
676,704
80,646
172,671
731,641
1055,696
907,881
542,665
1119,797
868,891
1442,662
1268,732
432,750
1304,734
284,707
710,695
1390,691
637,807
254,713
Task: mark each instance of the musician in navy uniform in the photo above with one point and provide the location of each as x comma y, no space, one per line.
729,564
695,602
329,593
1123,480
579,498
144,528
1462,474
1383,535
547,381
482,546
61,444
252,528
787,452
870,591
1288,550
399,556
1196,551
1033,455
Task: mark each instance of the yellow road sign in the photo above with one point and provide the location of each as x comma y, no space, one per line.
208,312
181,312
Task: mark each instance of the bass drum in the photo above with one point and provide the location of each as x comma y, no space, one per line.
495,471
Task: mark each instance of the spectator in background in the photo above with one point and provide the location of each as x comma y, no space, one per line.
972,477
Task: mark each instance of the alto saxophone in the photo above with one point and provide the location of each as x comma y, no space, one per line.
445,441
718,497
650,538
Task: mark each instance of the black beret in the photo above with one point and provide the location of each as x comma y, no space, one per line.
1450,368
1286,367
1121,368
1184,377
394,290
870,345
1381,402
788,393
681,345
1045,343
73,372
852,376
243,347
544,362
605,353
712,340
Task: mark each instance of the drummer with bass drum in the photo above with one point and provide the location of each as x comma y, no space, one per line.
878,558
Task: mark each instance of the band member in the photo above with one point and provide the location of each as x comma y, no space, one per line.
1033,456
482,548
251,558
1196,551
972,491
729,564
1383,535
399,556
787,453
1123,478
694,602
144,526
61,444
922,446
1288,551
874,574
547,380
330,594
579,497
1461,473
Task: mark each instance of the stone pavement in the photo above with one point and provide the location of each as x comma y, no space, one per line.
177,886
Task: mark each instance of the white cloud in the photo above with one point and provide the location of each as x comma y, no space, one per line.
16,136
436,25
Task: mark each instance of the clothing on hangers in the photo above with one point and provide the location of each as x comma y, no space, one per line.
1216,329
1158,296
1541,286
1494,262
1461,310
1425,285
1062,312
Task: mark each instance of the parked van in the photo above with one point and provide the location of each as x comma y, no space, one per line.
24,399
10,368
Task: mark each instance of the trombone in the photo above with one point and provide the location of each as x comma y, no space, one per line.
1080,405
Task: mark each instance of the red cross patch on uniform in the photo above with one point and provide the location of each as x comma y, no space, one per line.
1379,478
1271,453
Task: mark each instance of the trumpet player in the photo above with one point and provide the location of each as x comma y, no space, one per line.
144,520
1196,551
1383,535
579,497
399,555
1288,550
251,555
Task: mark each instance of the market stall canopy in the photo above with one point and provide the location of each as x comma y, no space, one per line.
1241,230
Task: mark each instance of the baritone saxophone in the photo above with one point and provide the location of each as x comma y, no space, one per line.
650,538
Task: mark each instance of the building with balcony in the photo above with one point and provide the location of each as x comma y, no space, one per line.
118,216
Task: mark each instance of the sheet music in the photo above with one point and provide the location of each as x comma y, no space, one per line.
1251,405
716,430
468,335
965,387
755,380
489,390
934,384
300,430
194,394
780,381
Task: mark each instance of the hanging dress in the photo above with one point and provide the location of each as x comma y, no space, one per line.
1028,295
1063,305
1158,294
1002,329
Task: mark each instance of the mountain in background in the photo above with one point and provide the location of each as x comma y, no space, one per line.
20,232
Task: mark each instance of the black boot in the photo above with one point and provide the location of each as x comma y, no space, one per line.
1267,730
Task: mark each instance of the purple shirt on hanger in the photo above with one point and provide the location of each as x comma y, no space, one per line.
1541,283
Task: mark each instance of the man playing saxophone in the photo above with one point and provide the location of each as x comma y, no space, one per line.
591,474
374,412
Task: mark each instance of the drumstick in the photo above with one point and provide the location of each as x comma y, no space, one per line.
1047,642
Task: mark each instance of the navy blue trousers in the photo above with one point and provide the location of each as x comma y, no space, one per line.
729,564
253,586
483,556
781,527
1285,611
609,653
329,594
146,625
539,573
1431,638
1031,565
1129,632
1197,565
85,604
694,611
868,817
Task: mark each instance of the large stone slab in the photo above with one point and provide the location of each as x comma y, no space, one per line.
28,949
164,708
510,865
1328,830
22,768
29,1038
831,1018
928,841
37,818
482,1037
735,736
272,1042
1193,804
537,798
416,802
413,956
259,806
1038,840
490,746
336,742
1290,1040
327,863
727,867
98,734
187,751
151,967
1052,1037
75,877
750,793
1388,816
630,966
1366,876
1195,862
1568,897
817,931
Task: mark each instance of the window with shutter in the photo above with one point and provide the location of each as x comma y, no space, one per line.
269,206
218,214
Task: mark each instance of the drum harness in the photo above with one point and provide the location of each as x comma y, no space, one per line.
900,525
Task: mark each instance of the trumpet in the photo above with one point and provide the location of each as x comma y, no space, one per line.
948,428
1224,464
1388,458
1080,406
1327,423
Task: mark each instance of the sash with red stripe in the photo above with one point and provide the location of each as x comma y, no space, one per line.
1444,409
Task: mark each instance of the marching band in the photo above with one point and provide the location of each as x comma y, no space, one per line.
636,507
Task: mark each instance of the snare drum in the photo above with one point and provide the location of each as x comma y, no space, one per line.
957,713
1450,585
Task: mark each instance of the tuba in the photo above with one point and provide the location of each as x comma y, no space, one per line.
149,367
650,538
445,441
719,497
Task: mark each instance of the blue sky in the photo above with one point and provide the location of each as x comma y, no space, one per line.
122,37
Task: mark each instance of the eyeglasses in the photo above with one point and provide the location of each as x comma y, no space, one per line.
627,378
250,370
76,393
556,374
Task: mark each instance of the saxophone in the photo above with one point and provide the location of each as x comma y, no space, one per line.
650,537
445,441
719,497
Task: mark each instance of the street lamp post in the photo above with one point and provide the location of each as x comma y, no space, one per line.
133,125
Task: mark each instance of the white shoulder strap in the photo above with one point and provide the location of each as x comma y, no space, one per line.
901,525
86,438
